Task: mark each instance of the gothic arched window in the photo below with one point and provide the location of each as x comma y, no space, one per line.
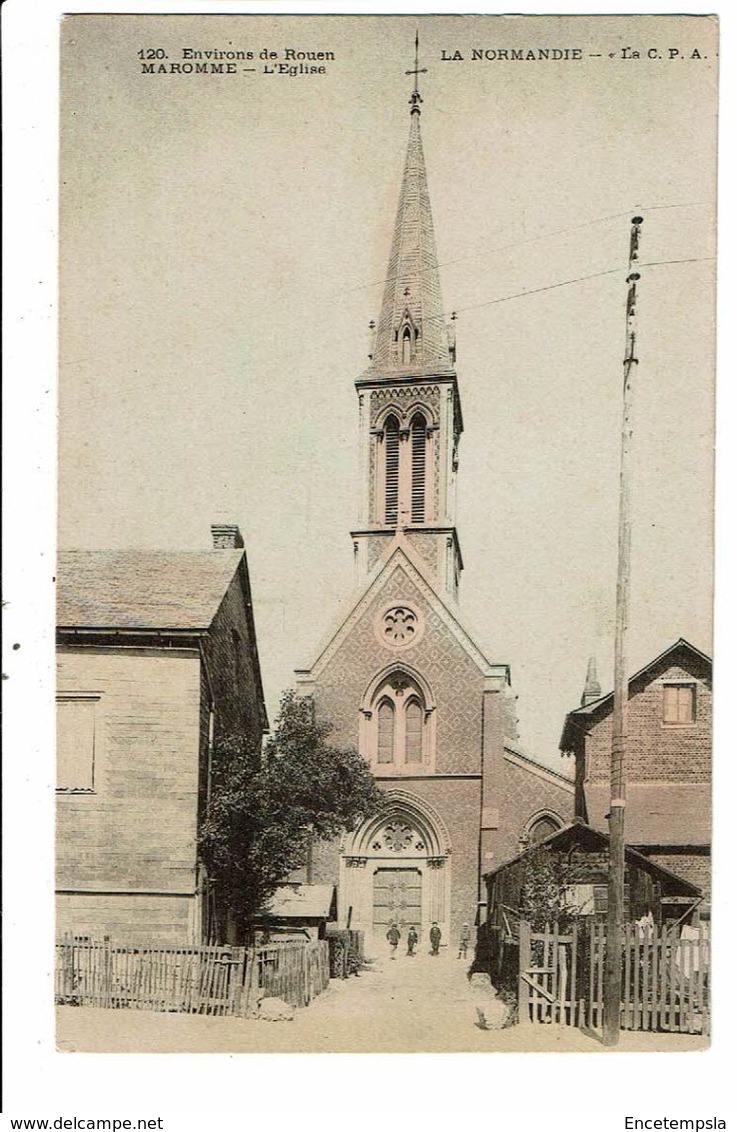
391,471
385,732
400,727
542,827
413,722
418,433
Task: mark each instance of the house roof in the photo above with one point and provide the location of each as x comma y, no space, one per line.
581,718
580,833
302,902
142,589
656,813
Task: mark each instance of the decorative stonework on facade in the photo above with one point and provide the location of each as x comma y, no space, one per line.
405,399
399,627
426,548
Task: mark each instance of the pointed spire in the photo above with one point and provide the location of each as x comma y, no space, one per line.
411,336
592,688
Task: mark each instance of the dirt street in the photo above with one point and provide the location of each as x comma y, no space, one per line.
422,1004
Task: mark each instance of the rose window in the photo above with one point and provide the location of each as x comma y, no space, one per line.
398,836
400,626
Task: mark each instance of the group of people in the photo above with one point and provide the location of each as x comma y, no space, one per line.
394,935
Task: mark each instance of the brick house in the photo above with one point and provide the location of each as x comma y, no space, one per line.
157,657
399,675
667,764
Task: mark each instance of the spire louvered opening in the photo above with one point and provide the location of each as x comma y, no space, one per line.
407,346
391,490
418,433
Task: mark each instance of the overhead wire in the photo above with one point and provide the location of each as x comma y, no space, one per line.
535,239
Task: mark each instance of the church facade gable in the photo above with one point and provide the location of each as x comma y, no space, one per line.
436,670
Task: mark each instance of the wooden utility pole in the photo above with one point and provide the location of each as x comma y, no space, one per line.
615,903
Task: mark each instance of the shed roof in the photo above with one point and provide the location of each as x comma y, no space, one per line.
580,833
302,902
657,813
142,589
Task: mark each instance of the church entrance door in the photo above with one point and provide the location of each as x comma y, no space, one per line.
397,899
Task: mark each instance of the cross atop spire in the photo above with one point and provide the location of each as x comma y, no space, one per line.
415,99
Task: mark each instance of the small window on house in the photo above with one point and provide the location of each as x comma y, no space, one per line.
601,899
679,703
75,745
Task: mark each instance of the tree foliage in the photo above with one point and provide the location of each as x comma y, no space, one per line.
266,806
544,898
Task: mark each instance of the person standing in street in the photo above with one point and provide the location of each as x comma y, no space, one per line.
393,935
435,937
464,941
412,940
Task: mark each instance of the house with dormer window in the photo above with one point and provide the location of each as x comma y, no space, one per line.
667,761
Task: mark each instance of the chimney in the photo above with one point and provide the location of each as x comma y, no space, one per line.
226,536
592,688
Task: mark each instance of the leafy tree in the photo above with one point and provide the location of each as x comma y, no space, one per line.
543,899
267,806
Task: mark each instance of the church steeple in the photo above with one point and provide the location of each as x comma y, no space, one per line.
411,336
410,412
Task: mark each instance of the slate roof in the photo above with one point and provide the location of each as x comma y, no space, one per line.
657,813
142,589
413,280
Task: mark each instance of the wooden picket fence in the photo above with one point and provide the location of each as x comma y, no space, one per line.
295,973
665,980
548,976
191,980
665,977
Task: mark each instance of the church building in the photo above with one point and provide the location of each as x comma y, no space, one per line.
398,675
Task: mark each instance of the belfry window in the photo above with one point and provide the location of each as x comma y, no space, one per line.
406,346
391,481
418,433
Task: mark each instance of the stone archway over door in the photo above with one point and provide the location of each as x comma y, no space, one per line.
396,868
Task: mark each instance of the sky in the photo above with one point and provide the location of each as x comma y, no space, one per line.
223,241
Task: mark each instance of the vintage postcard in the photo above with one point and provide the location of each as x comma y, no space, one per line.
352,525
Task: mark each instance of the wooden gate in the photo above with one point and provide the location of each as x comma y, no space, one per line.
548,976
665,977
